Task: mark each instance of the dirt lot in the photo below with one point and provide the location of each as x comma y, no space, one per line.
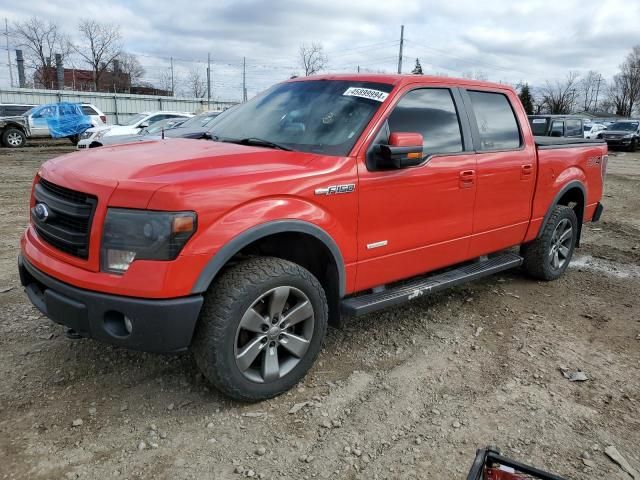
408,393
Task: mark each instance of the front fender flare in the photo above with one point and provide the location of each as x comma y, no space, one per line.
237,243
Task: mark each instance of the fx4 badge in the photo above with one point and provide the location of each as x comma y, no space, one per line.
336,189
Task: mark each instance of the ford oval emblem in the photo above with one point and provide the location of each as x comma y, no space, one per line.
42,211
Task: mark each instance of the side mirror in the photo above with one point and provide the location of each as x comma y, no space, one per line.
143,125
403,150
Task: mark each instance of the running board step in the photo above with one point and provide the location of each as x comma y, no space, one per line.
411,290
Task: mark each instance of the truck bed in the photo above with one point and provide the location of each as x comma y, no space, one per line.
563,142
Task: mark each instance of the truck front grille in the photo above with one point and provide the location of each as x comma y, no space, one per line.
67,222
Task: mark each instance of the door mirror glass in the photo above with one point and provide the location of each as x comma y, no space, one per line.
143,125
403,150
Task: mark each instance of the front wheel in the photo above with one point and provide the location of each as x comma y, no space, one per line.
13,138
548,256
634,145
261,328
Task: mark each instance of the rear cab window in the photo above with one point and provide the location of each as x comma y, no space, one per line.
496,121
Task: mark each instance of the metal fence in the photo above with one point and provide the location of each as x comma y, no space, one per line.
117,106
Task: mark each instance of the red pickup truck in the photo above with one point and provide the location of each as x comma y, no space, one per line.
323,197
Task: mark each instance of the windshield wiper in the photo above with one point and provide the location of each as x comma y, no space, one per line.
259,142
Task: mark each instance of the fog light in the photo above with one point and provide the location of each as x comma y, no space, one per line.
118,260
127,324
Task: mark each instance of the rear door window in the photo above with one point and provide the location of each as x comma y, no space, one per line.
497,125
557,128
432,113
573,128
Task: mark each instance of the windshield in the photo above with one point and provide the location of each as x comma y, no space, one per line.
135,119
201,120
628,126
320,116
167,124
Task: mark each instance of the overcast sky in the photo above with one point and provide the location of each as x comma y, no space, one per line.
507,41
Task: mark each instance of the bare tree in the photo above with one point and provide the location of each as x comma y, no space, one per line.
195,84
100,45
624,91
561,96
167,83
312,58
128,64
41,40
590,89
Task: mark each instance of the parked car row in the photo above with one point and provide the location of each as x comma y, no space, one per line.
94,137
196,127
620,134
84,124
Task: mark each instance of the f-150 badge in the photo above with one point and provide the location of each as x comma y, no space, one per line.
336,189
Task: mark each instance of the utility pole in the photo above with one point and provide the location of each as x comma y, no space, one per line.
401,45
173,91
208,81
244,79
595,106
358,68
6,32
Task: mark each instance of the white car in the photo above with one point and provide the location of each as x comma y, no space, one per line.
93,136
37,118
591,130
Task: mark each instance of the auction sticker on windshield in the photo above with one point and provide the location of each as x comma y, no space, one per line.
369,93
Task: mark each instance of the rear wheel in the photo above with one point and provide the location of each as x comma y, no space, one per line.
261,328
548,256
13,138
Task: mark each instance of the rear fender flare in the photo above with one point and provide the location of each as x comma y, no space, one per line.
556,200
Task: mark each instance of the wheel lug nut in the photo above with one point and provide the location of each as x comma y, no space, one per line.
272,344
280,337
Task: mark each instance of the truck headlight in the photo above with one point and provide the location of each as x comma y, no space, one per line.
130,235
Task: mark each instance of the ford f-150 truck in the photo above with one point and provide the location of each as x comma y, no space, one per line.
322,198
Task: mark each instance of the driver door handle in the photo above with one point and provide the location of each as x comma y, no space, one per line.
467,178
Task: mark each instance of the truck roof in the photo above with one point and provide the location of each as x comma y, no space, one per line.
404,79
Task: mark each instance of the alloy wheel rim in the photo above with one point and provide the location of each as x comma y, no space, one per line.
274,334
561,240
14,139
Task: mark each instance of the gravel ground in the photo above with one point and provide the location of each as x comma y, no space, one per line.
406,393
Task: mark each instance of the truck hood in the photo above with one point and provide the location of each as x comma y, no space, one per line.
617,132
172,161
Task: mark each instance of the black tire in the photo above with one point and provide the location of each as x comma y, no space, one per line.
538,255
243,288
74,139
13,138
634,145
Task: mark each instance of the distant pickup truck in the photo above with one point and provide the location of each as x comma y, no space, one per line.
568,126
323,196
